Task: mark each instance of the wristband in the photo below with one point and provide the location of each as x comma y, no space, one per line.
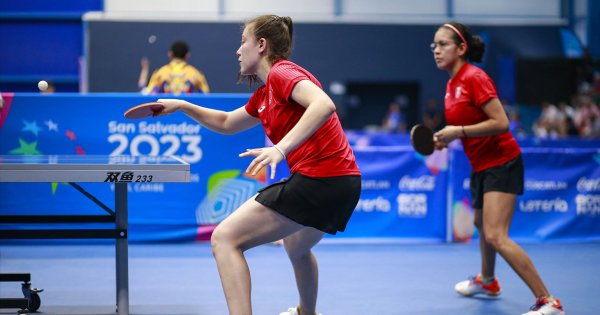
463,131
280,151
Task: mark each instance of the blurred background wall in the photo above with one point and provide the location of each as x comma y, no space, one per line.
366,54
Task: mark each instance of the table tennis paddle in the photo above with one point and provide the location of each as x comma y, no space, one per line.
144,110
421,138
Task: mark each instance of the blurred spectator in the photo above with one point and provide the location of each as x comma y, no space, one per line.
394,120
432,116
585,73
549,121
514,118
596,92
515,124
595,130
567,126
586,116
145,69
177,76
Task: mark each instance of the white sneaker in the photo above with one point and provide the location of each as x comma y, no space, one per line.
474,285
546,306
293,311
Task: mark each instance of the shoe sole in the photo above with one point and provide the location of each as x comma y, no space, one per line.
488,294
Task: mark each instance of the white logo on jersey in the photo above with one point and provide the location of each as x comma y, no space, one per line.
262,108
447,95
457,92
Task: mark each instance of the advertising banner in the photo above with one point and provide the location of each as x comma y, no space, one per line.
93,124
403,194
561,199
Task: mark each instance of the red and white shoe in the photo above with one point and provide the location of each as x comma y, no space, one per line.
474,286
294,311
546,306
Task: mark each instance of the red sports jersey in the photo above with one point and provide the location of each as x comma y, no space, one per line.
466,92
324,154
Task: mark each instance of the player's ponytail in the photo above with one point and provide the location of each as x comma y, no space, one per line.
290,26
277,31
474,44
477,49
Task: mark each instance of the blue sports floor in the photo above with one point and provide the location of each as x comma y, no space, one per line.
356,279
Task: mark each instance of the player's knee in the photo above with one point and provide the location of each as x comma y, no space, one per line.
219,240
495,239
295,250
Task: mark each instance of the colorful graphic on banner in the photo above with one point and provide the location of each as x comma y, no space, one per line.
94,125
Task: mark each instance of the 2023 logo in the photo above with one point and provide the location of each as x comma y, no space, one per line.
164,145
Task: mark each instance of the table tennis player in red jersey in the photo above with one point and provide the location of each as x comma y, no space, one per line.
475,115
324,186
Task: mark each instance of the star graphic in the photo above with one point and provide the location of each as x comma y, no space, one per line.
55,186
31,126
52,126
26,148
79,150
71,135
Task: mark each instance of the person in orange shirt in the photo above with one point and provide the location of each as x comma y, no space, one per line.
176,77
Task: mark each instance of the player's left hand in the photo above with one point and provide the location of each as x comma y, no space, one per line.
438,145
264,156
448,134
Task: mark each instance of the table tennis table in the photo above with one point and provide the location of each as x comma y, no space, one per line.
117,170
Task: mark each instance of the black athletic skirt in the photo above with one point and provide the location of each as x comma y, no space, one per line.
508,178
324,203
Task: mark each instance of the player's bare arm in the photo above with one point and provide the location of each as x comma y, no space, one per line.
216,120
318,109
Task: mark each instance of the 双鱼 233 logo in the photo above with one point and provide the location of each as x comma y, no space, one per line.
126,177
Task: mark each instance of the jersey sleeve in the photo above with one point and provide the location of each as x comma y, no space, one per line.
483,88
254,102
200,83
154,83
204,84
284,78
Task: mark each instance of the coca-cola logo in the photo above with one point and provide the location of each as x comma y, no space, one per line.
421,183
586,185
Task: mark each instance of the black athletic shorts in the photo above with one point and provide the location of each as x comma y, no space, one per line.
324,203
508,178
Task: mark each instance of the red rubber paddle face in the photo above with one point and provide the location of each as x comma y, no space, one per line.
144,110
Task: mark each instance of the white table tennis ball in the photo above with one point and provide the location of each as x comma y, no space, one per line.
42,85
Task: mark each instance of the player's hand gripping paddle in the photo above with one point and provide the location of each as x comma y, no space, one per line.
144,110
421,138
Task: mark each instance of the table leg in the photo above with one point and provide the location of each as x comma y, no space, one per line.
122,255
